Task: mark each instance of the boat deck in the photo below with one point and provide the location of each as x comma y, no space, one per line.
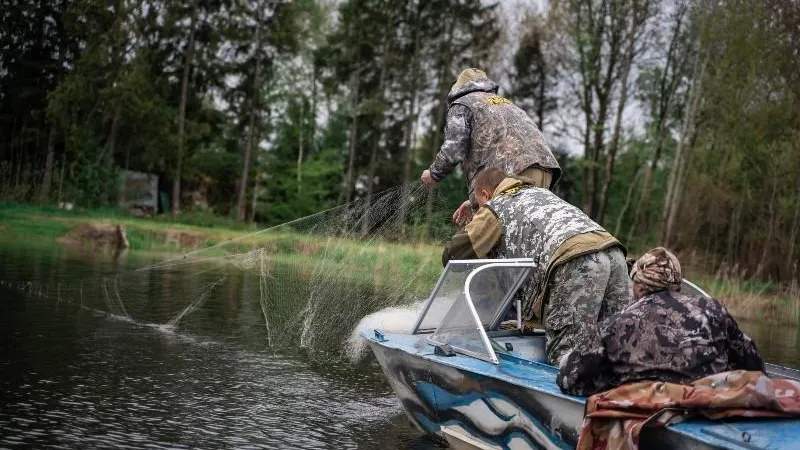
733,434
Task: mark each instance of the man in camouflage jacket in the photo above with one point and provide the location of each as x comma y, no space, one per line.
580,274
664,336
485,130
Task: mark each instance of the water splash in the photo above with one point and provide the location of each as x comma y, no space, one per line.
393,319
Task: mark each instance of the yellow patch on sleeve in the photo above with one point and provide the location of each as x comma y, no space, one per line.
496,100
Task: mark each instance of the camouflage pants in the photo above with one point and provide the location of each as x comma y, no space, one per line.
582,292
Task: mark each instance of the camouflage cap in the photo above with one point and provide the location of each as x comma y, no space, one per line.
657,270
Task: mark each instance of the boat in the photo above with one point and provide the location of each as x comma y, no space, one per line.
470,374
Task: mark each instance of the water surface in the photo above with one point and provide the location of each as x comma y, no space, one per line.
78,372
94,353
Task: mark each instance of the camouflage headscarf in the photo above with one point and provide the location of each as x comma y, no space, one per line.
657,270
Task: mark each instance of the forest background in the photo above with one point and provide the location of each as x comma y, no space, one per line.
675,122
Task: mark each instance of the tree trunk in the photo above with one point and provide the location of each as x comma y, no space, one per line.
47,179
677,194
733,231
241,197
628,198
255,194
123,187
644,194
300,147
677,173
668,83
241,208
312,138
253,201
411,122
440,115
612,149
61,176
598,145
542,90
351,154
587,157
366,223
765,246
187,65
111,144
794,232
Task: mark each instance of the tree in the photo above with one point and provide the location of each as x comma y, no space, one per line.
659,86
600,31
638,16
534,69
187,67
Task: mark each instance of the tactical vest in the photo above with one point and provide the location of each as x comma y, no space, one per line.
535,223
503,136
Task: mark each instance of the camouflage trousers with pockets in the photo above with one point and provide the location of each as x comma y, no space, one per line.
582,292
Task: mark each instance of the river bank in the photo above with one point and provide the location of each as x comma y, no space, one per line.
415,265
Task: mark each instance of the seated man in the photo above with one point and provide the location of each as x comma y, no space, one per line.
580,275
664,336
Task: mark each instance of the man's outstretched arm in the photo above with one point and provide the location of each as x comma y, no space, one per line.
477,239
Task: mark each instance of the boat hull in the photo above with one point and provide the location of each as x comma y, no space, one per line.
475,411
477,405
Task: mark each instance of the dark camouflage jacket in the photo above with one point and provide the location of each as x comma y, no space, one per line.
485,130
664,336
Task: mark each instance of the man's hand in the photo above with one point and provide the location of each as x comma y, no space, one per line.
463,214
427,179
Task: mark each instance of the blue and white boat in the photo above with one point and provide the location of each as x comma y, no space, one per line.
466,375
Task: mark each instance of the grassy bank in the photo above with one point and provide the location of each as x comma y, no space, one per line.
383,263
753,300
415,266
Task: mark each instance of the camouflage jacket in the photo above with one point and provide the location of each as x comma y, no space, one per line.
520,221
664,336
486,130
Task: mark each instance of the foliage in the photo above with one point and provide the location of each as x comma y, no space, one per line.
285,105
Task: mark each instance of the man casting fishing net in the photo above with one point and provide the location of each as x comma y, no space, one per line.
485,130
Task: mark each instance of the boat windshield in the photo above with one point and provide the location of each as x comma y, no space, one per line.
470,297
691,289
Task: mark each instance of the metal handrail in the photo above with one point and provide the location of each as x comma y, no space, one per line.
439,281
481,331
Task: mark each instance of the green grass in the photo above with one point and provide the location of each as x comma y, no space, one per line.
16,226
381,262
751,299
415,266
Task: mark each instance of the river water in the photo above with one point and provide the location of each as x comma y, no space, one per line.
73,373
81,369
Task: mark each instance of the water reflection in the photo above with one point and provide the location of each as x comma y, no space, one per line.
777,344
74,375
85,364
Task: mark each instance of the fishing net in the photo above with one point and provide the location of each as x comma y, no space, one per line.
304,284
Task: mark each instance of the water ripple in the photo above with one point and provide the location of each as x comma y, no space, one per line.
73,375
